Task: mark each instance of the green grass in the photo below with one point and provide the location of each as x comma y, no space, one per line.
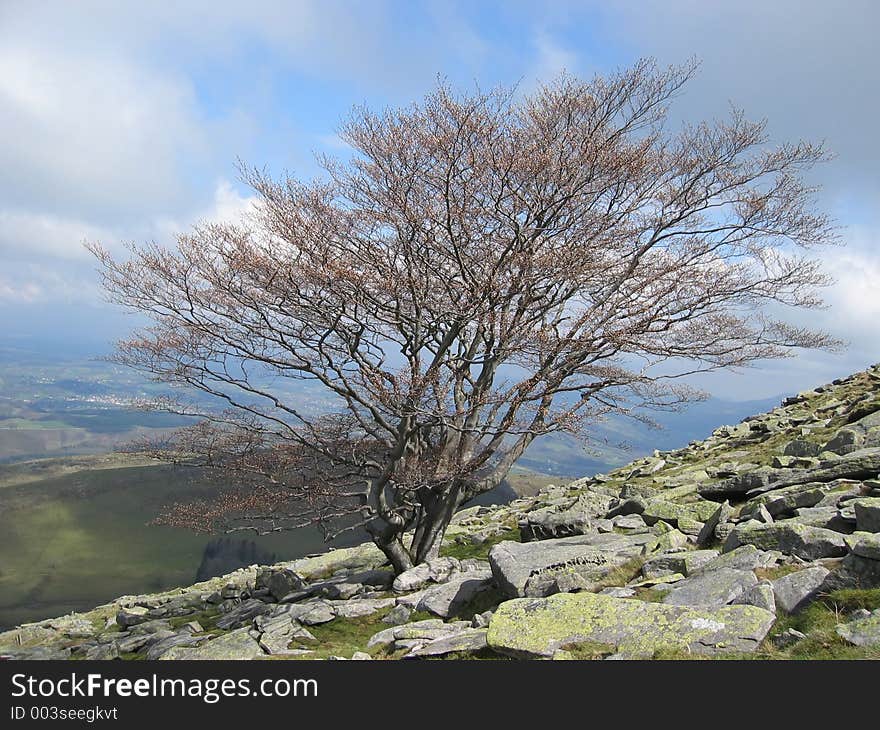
479,551
343,637
72,542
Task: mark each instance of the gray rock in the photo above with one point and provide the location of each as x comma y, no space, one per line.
808,543
243,614
398,615
132,616
238,644
629,522
760,595
530,568
862,631
685,562
283,582
800,447
719,517
747,557
796,590
867,511
468,640
538,627
713,588
449,598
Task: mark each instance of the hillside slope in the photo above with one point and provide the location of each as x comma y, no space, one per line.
762,540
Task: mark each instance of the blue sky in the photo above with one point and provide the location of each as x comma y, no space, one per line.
122,121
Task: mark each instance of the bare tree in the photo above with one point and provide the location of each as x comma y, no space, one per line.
485,270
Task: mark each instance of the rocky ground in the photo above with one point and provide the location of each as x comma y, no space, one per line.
762,541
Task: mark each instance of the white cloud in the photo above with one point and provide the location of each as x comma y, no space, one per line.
92,134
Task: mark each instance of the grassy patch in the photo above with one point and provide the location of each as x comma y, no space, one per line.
587,650
343,637
777,571
621,575
479,551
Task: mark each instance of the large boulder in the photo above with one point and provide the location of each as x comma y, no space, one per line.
796,590
808,543
575,519
448,599
867,514
551,566
539,627
711,588
672,512
685,562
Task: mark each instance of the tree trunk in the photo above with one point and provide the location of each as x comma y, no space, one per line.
387,539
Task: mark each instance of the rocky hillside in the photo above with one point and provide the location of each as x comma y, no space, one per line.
761,541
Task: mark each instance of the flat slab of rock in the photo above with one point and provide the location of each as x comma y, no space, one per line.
469,640
746,557
538,627
711,588
536,568
238,644
809,543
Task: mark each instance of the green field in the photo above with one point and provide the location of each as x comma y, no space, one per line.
73,541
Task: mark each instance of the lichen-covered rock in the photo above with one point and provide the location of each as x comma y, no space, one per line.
862,631
809,543
711,588
659,509
685,562
238,644
538,627
746,557
867,511
536,568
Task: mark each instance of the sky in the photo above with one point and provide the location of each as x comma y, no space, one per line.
123,122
